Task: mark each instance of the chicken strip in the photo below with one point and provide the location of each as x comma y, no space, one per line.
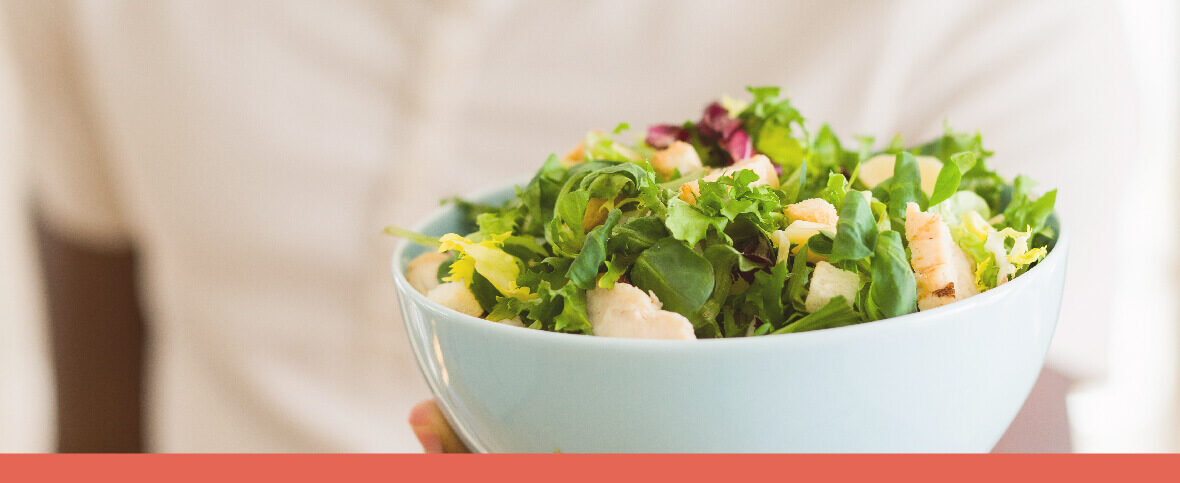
943,272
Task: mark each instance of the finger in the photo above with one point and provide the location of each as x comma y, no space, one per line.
432,429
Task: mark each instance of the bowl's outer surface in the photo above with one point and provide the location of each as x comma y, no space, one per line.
945,380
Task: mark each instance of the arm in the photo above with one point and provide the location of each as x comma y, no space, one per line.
96,334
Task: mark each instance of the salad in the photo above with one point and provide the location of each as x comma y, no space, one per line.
743,223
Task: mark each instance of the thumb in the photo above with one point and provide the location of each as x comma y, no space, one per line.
432,429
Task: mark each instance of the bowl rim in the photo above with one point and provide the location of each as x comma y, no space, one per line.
1057,256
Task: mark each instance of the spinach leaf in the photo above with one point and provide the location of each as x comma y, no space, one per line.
826,151
505,308
979,178
862,154
636,235
856,230
485,292
795,184
903,188
820,244
893,290
539,196
681,278
951,175
797,283
615,268
722,258
444,269
836,313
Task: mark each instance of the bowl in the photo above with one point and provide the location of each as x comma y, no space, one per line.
949,379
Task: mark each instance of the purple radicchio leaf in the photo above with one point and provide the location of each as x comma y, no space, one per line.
716,123
661,136
739,145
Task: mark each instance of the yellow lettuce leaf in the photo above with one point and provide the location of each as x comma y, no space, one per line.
489,260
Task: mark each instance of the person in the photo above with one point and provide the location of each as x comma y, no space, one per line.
211,178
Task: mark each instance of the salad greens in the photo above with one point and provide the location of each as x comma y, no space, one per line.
745,223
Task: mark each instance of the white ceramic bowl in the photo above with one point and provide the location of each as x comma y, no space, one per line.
945,380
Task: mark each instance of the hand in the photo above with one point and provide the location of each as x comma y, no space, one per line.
432,429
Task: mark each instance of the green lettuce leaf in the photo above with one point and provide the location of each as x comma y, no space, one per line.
765,295
777,127
505,308
583,272
689,223
1026,212
562,309
835,190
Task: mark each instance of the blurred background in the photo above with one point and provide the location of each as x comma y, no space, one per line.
1126,399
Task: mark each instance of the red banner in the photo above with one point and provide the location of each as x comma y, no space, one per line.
563,468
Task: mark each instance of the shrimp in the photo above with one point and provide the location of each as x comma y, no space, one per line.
943,272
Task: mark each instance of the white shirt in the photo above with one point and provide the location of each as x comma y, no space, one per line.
253,152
